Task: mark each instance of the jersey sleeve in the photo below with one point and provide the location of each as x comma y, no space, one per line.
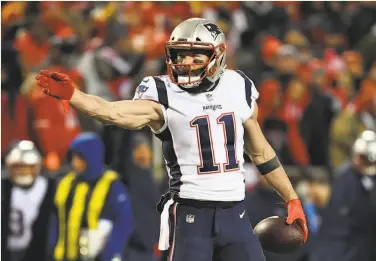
251,95
152,89
146,90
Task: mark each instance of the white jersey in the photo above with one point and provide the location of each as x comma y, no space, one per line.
202,138
25,206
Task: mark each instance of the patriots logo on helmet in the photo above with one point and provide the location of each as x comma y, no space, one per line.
141,89
213,29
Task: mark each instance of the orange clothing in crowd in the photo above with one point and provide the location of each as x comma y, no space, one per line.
270,99
16,127
269,49
290,110
31,53
292,113
54,128
366,96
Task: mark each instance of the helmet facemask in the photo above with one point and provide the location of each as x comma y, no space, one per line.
368,165
184,74
23,174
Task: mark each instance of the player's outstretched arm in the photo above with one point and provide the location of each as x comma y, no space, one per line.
265,159
130,114
127,114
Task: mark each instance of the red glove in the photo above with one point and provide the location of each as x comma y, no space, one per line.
295,212
56,85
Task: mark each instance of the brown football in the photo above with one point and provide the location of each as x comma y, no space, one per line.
278,237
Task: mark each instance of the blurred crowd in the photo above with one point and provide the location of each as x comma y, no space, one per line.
314,64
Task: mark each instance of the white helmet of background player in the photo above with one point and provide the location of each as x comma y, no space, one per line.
199,36
365,148
23,163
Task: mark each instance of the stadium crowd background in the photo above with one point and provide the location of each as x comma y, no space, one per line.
314,64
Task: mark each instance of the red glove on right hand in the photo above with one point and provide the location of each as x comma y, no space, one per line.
56,85
295,212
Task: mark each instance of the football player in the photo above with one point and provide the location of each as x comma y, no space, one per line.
26,202
205,116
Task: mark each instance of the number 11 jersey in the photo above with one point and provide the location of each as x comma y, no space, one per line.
202,136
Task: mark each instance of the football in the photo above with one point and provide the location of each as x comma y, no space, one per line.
278,237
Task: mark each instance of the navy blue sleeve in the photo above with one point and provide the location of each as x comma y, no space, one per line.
251,93
53,230
117,209
247,102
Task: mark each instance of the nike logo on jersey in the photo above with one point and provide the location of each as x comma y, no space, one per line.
213,107
242,214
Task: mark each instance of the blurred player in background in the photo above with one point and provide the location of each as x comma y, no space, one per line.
200,112
93,218
348,231
26,202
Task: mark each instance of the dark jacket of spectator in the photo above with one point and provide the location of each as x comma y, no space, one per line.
349,220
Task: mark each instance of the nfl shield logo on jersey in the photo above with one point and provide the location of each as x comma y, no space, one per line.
190,218
209,96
